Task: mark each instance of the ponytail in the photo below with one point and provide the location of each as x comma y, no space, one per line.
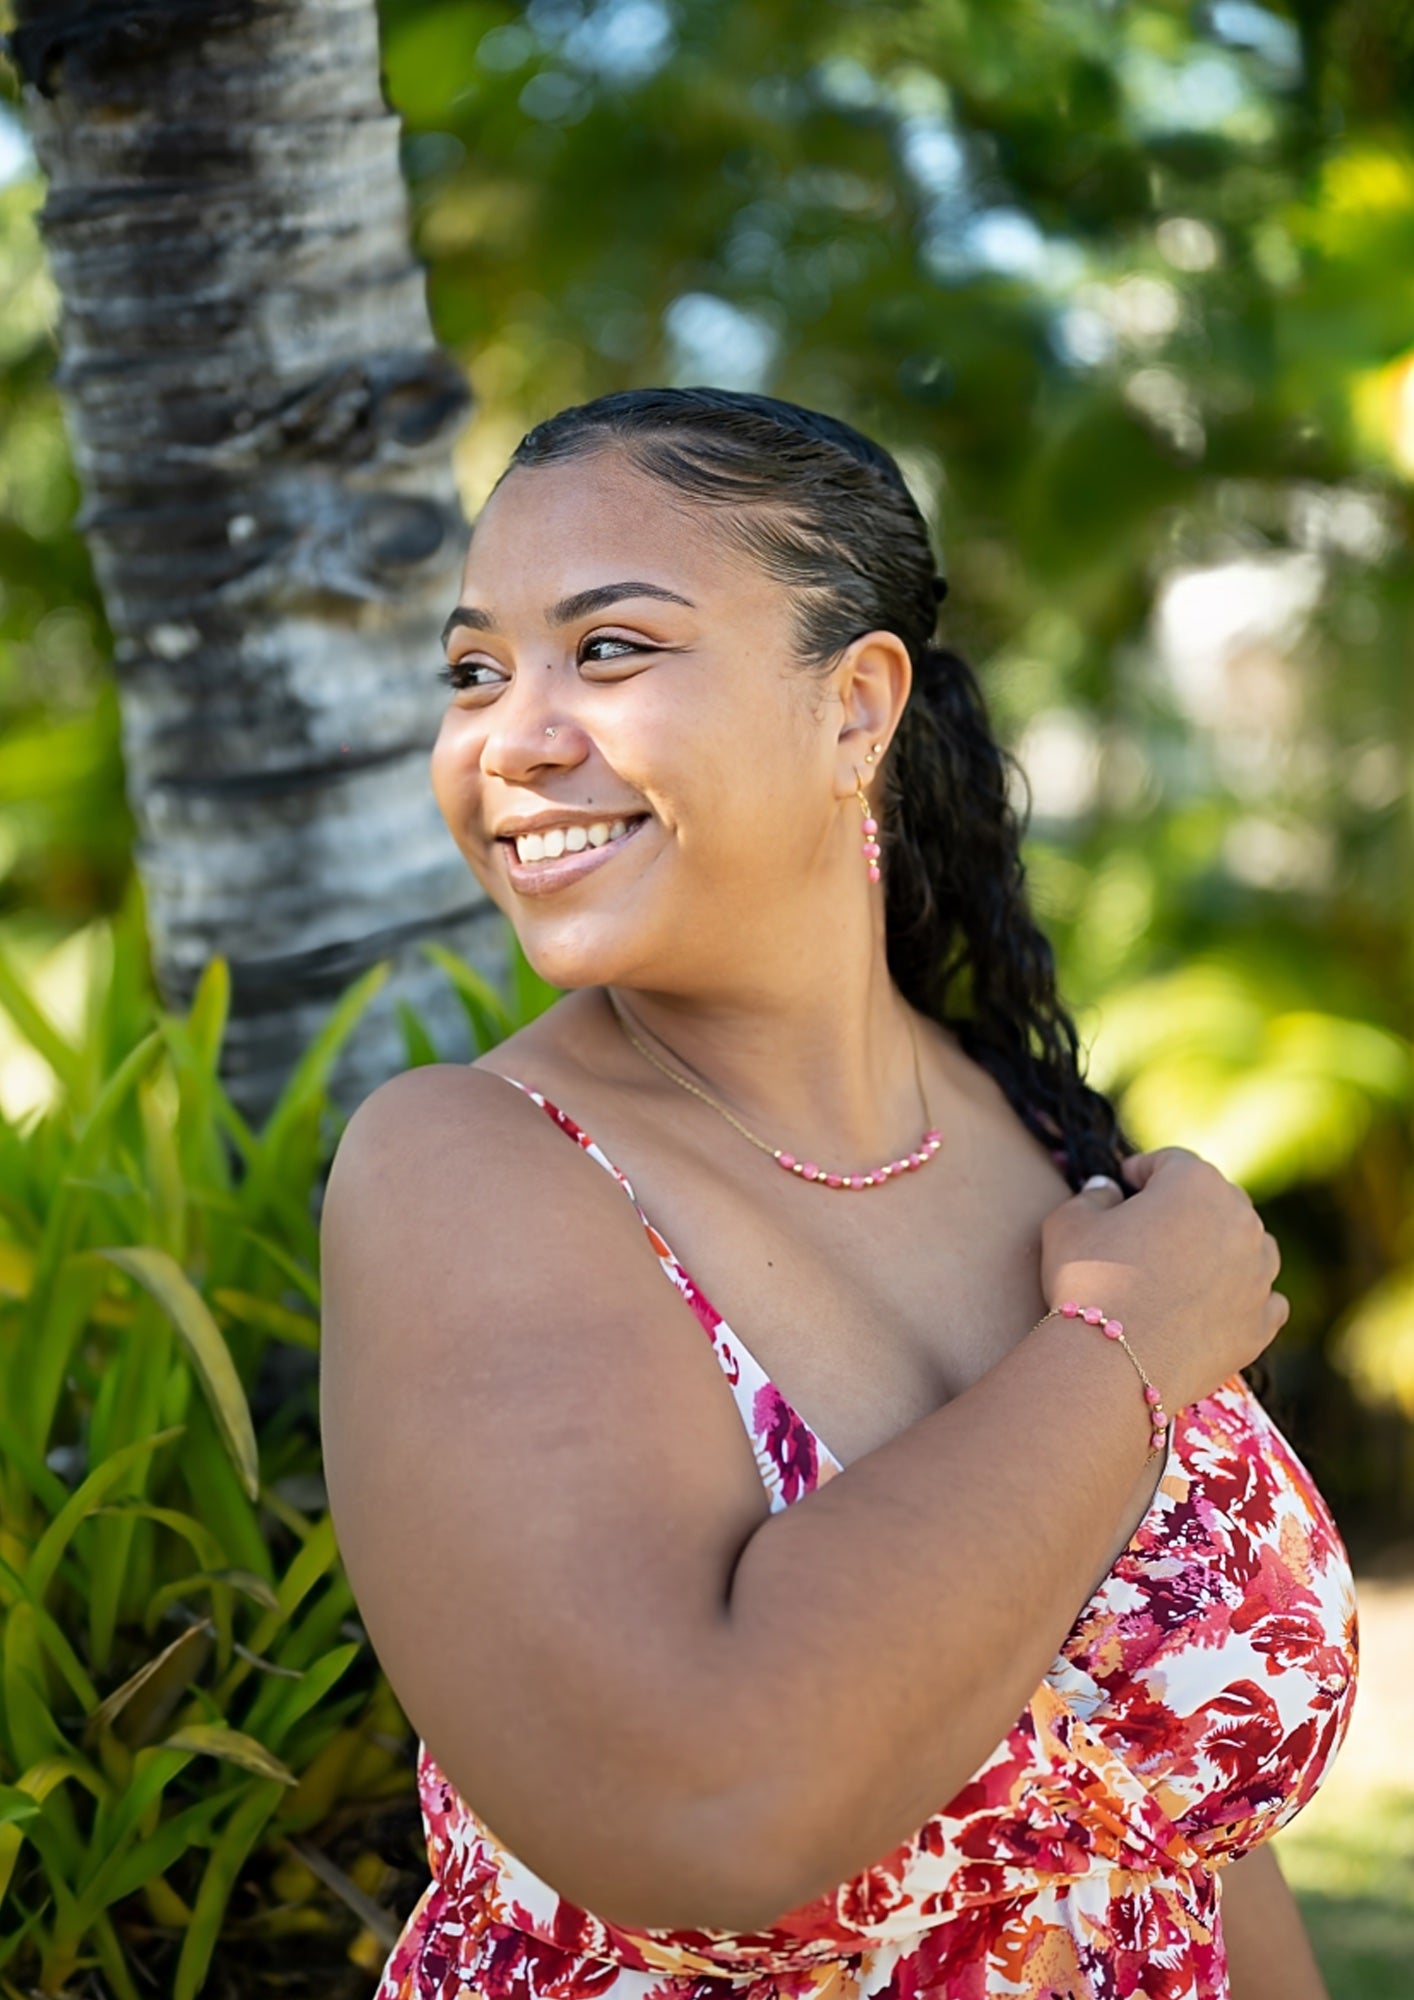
958,916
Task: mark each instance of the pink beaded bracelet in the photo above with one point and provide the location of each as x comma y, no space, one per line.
1113,1329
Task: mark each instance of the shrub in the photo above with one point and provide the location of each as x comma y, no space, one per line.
187,1701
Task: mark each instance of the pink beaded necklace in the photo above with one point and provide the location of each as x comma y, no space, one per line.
806,1169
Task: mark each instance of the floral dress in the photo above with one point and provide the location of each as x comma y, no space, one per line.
1193,1709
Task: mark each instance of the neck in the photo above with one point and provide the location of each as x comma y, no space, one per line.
831,1069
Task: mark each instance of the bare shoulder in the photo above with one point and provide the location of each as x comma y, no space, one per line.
408,1124
450,1187
506,1382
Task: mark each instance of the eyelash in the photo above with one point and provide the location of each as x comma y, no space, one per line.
456,675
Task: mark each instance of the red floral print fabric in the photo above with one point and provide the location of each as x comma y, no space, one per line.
1194,1708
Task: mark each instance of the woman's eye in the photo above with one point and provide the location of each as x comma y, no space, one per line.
461,674
625,647
468,675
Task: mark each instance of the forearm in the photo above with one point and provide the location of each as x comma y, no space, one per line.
890,1628
1269,1955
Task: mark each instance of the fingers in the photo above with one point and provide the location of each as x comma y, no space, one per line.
1100,1191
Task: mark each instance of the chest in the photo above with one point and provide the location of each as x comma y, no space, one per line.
869,1310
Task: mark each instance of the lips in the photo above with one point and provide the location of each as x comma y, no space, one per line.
542,877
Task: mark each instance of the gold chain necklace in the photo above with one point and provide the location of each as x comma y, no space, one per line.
807,1169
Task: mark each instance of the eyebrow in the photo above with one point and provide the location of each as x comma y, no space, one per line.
597,598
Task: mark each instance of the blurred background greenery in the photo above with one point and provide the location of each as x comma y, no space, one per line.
1130,292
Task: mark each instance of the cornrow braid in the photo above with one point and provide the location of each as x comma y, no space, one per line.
827,513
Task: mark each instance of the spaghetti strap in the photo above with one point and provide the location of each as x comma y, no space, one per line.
1194,1707
790,1456
575,1132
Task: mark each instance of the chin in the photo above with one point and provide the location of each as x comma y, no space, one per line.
580,951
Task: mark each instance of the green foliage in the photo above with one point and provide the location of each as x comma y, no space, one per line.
1352,1872
1128,291
182,1680
65,828
1131,298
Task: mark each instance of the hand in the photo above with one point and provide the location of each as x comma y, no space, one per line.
1186,1263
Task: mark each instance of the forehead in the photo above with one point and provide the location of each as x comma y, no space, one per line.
551,529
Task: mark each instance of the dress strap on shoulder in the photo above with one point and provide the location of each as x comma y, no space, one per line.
575,1132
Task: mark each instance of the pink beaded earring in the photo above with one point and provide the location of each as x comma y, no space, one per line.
872,850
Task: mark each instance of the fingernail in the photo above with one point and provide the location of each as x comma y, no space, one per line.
1099,1180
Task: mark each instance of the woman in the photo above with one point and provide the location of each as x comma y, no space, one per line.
940,1638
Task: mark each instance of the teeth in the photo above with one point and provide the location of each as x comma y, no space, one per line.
554,841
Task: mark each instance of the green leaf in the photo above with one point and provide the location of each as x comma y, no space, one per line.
155,1854
147,1698
111,1958
46,1486
52,1637
266,1316
287,1704
232,1746
303,1280
84,1159
166,1192
487,1013
206,1017
420,1047
39,1031
311,1073
316,1557
531,995
205,1545
82,1502
38,1782
228,1856
162,1277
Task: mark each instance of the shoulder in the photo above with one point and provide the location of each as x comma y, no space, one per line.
452,1166
411,1125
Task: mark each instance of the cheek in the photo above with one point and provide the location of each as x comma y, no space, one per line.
453,773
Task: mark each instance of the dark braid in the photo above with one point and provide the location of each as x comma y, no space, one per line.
826,511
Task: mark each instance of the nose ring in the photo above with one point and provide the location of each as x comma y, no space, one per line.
549,732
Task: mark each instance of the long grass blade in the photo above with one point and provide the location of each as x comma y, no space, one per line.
81,1503
166,1281
222,1870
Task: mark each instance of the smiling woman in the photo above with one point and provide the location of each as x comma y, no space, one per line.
912,1644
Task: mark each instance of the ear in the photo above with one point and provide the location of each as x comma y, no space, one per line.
875,675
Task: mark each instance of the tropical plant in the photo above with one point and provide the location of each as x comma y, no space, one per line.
188,1706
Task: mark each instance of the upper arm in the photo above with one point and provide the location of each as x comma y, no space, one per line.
538,1480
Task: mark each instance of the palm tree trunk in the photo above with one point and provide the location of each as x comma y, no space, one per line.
262,425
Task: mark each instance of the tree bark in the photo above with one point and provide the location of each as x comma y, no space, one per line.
262,424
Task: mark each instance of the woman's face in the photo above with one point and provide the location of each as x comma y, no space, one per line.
685,818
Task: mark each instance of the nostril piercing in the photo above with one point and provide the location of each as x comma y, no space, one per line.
549,732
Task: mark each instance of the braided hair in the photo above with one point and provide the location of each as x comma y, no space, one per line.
825,511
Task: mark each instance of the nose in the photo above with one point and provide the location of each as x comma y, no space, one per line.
529,730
